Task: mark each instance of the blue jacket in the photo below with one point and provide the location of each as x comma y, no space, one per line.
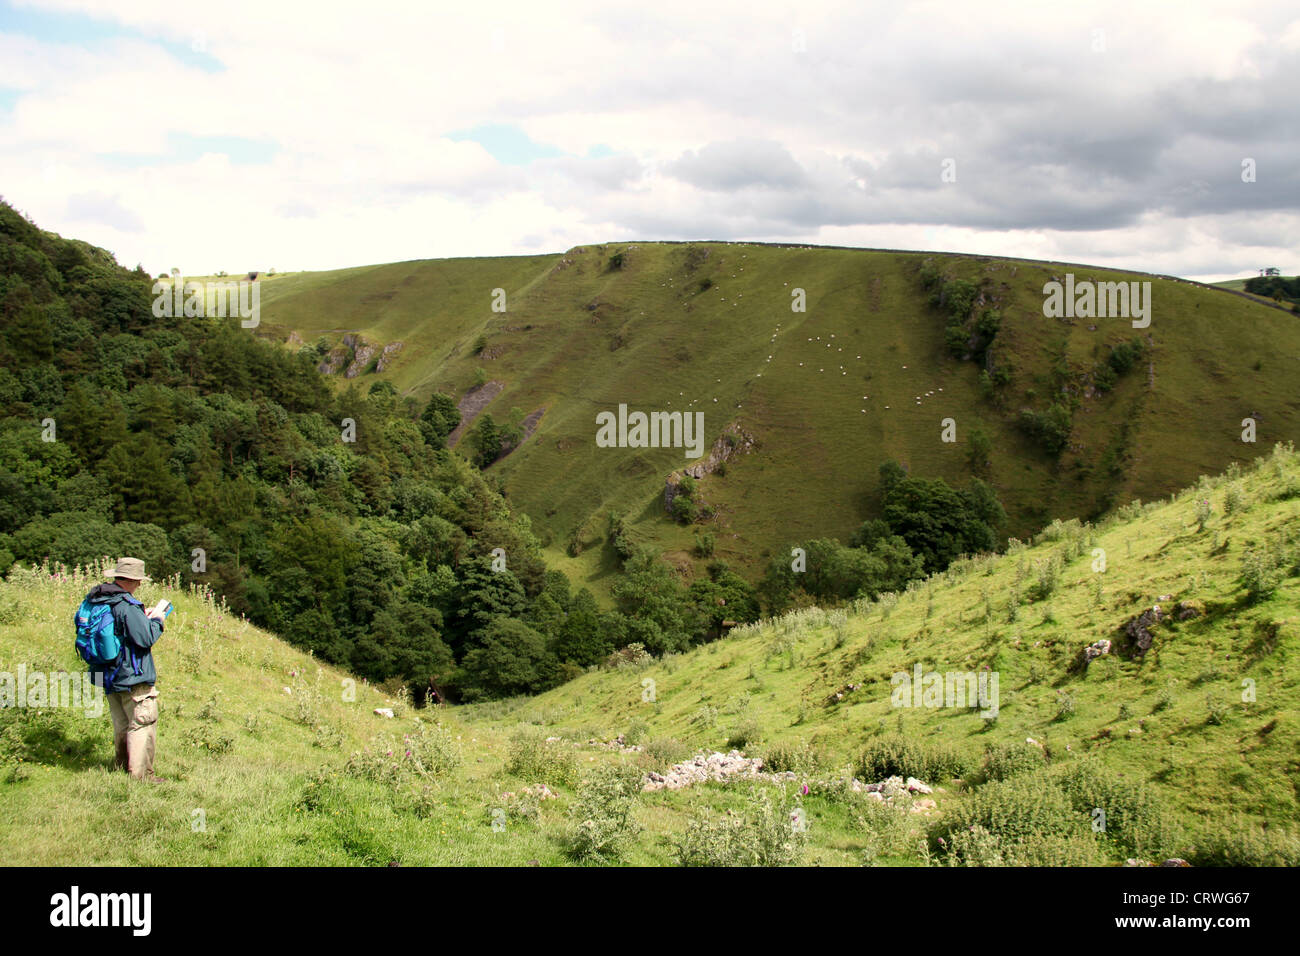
136,630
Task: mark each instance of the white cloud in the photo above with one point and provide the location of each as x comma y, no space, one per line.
819,122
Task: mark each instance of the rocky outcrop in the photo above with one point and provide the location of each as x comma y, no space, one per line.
386,356
733,441
1138,630
362,353
1094,650
334,360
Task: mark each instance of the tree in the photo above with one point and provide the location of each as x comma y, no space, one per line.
582,639
487,441
512,659
440,416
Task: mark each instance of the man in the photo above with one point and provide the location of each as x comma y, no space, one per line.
132,696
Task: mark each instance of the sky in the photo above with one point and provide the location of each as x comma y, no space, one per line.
256,135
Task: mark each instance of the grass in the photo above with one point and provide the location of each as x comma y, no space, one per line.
579,338
260,776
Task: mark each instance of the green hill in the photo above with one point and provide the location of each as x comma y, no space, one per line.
267,763
866,373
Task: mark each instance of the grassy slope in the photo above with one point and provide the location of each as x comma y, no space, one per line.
1250,764
656,341
250,776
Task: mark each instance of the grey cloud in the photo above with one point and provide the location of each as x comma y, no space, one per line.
729,166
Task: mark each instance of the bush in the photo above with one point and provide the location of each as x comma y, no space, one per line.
636,732
1022,821
704,544
801,758
1260,575
746,732
1002,761
897,756
890,827
663,752
532,758
1051,428
429,750
1242,843
604,811
766,835
634,655
1135,822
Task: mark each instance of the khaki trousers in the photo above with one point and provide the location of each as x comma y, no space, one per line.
135,725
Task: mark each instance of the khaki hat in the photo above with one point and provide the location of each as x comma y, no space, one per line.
130,568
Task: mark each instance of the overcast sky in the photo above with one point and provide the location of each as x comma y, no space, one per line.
257,135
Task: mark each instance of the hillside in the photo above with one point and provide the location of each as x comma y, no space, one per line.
259,739
866,373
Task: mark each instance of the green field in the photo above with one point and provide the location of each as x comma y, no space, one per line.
264,759
580,336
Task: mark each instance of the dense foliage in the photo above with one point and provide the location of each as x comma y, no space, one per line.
925,525
338,520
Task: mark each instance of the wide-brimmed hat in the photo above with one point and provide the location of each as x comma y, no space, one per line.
130,568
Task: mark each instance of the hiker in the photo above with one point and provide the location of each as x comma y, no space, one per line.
129,679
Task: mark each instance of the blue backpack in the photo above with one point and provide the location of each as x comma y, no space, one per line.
97,641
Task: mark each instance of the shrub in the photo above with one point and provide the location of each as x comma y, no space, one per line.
801,758
634,655
532,758
1051,428
1135,821
1022,821
890,828
1242,843
704,544
1002,761
604,813
636,731
744,734
663,752
1260,575
894,755
766,834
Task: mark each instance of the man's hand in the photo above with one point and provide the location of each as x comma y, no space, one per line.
154,613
